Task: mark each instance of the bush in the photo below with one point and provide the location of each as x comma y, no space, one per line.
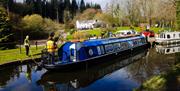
37,27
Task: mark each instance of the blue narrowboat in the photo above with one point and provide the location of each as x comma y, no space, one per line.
72,54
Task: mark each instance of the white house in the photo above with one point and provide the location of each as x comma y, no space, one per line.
86,24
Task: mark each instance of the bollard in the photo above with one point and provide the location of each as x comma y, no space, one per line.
36,44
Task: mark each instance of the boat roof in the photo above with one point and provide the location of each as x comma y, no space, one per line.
96,42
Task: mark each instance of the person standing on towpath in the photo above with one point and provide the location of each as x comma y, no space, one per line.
27,45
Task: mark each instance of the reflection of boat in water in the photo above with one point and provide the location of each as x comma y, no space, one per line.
77,53
83,78
168,49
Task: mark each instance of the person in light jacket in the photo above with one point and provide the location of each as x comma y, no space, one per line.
27,45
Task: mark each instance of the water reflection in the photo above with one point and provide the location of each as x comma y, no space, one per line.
152,64
17,78
68,81
126,71
168,49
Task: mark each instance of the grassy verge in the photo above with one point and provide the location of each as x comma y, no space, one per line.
7,56
163,82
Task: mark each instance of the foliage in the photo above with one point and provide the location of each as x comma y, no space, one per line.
5,30
80,36
88,14
136,12
82,6
38,27
108,19
53,9
178,15
33,22
162,81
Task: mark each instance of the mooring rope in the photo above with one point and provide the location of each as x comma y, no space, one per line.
33,59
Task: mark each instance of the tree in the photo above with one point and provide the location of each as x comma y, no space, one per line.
61,11
82,6
88,14
33,26
178,15
74,8
67,5
6,35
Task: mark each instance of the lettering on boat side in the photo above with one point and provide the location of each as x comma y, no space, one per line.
90,52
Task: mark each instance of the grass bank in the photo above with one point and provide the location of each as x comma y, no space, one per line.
12,55
165,82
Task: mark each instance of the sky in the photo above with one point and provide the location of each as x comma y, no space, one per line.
103,3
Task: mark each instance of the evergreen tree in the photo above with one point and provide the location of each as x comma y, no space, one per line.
37,9
28,2
82,6
5,30
74,8
67,5
61,8
44,8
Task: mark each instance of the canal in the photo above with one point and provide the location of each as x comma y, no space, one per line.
121,74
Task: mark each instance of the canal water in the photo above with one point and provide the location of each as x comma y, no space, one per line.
121,74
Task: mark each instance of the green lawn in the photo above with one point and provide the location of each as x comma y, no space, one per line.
12,55
96,31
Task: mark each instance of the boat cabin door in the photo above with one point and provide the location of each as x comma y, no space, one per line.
73,56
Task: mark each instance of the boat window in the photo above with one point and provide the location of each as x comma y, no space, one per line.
102,49
128,33
116,46
179,35
168,36
109,48
168,50
174,35
164,36
124,45
99,50
72,52
161,35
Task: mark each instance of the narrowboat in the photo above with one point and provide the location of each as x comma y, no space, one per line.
165,38
76,54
